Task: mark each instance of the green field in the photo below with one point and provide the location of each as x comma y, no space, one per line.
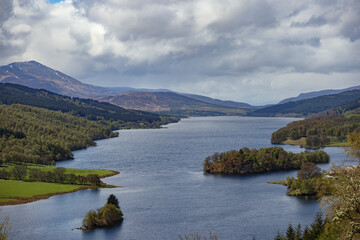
21,192
76,171
17,192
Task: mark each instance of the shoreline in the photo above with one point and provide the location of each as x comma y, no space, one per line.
46,196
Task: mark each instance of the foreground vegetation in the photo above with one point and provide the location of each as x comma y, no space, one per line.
257,161
341,201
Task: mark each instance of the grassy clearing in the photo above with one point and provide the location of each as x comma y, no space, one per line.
76,171
281,182
16,192
301,141
20,189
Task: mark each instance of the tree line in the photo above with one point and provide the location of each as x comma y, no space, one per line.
58,175
260,160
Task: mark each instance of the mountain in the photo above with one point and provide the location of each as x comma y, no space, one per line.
308,95
230,104
35,75
90,109
170,103
308,107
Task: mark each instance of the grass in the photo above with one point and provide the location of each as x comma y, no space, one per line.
301,141
281,182
76,171
16,192
20,189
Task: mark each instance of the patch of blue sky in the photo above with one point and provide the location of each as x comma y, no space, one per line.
55,1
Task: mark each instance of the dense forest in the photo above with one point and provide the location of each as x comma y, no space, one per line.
308,107
36,135
263,160
92,110
318,131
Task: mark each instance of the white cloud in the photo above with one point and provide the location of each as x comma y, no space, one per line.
229,49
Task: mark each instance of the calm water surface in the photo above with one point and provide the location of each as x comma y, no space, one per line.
165,192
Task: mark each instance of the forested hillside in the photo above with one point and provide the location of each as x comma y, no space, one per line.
36,135
308,107
90,109
262,160
330,128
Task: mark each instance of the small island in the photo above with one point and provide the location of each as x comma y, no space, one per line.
107,216
247,161
310,182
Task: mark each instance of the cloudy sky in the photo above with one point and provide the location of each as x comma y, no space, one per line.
257,51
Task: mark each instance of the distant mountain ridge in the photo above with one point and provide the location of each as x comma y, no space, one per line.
90,109
308,107
170,103
35,75
230,104
303,96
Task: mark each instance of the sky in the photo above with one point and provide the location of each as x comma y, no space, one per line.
258,51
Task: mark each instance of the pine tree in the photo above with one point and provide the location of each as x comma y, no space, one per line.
298,232
112,199
290,233
317,227
279,236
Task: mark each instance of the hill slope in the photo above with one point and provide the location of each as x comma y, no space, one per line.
230,104
303,96
91,109
308,107
170,103
35,75
37,135
332,127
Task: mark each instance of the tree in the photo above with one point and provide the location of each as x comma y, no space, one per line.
308,170
279,236
59,174
290,233
298,232
5,228
93,179
19,172
112,199
36,174
109,215
344,203
317,227
354,148
90,219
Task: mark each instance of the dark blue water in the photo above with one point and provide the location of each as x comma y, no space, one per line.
165,192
